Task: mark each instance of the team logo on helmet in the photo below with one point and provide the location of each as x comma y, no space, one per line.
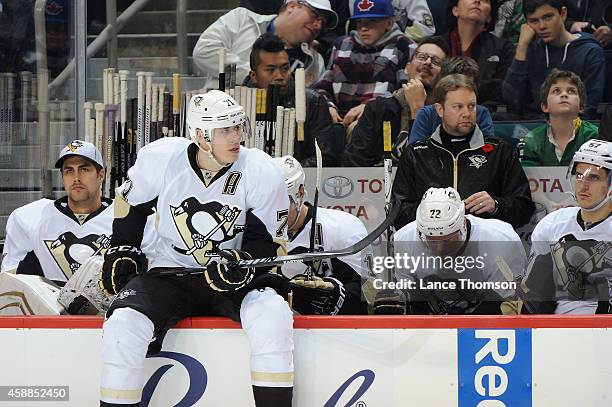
365,5
204,226
74,145
289,162
477,161
197,101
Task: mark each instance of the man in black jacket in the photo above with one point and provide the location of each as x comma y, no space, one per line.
591,16
270,66
365,148
485,170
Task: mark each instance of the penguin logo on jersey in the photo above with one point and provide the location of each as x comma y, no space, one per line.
580,262
320,268
69,251
204,226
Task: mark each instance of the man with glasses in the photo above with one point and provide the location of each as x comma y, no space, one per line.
484,170
570,267
545,44
298,24
365,147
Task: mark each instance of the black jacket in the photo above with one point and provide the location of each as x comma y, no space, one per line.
366,146
493,55
490,165
596,12
605,126
318,125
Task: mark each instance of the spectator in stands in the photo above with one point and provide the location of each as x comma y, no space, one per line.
471,21
365,64
592,16
510,17
412,16
484,170
553,144
327,37
298,23
270,66
365,148
545,44
605,127
427,119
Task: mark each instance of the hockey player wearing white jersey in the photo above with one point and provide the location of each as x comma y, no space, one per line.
214,200
570,266
468,265
335,287
53,238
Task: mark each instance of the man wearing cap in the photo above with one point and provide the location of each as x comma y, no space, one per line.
53,238
298,23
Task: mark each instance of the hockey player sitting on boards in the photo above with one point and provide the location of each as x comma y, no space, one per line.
335,286
214,200
570,267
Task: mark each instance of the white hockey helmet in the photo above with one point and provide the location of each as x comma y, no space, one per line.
440,213
214,110
599,154
293,174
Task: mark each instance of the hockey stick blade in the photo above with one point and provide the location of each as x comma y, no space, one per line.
296,258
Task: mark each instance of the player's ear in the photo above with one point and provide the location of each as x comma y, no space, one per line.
101,175
302,191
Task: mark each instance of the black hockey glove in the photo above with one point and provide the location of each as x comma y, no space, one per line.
390,302
224,277
121,264
319,296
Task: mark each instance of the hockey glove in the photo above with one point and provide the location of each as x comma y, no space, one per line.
319,296
223,277
121,264
390,302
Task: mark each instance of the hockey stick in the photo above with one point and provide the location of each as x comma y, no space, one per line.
140,76
391,302
176,103
313,225
222,69
147,107
296,258
388,164
300,102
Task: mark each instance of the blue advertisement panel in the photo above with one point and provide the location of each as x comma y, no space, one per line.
495,367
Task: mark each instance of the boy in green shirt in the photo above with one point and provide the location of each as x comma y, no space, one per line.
563,97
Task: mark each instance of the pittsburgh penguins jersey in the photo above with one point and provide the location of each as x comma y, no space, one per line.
334,230
565,262
244,205
44,237
492,253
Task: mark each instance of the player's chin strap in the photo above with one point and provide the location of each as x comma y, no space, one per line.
299,204
211,163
